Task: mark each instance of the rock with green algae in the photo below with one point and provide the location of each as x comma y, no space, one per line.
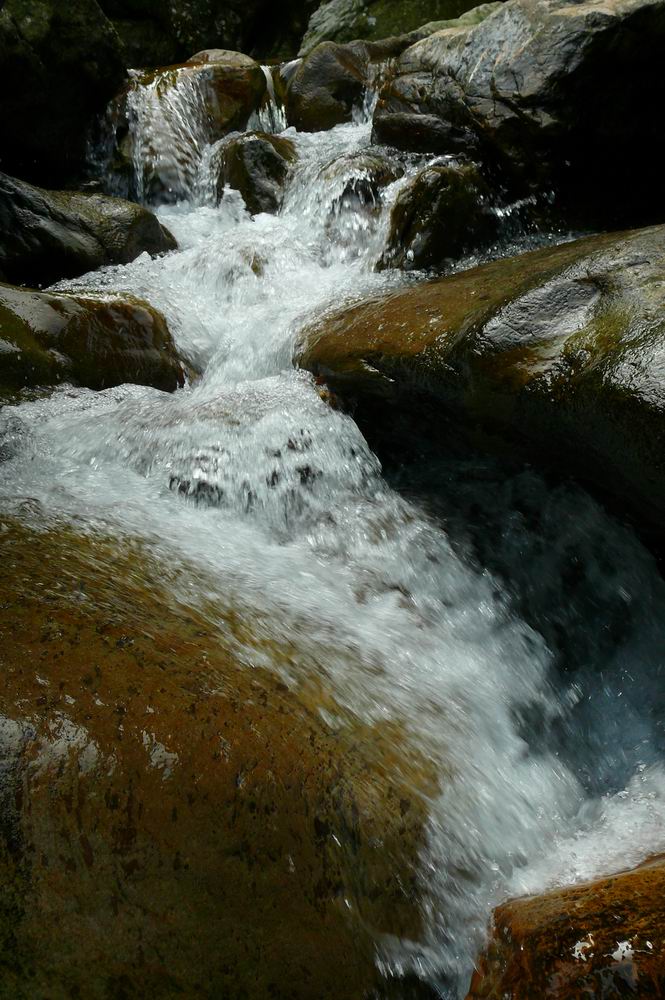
173,809
61,63
373,20
553,93
256,164
442,213
47,236
561,349
602,939
94,341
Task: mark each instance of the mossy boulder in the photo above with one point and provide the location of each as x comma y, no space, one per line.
560,350
98,342
345,20
555,94
602,939
326,86
216,92
177,819
444,212
61,63
256,164
47,236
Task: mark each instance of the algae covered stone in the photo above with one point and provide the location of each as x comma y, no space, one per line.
256,164
561,350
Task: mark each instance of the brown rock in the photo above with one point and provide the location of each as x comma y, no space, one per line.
560,351
49,337
177,820
326,86
603,939
256,164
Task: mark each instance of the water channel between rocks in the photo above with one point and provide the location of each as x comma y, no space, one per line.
512,628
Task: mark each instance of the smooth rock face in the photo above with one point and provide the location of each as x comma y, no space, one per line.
47,236
174,809
441,214
326,86
61,63
256,164
48,337
555,93
346,20
562,349
604,939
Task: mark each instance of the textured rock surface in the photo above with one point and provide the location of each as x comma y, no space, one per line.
604,939
46,236
47,337
174,809
346,20
555,93
61,63
562,349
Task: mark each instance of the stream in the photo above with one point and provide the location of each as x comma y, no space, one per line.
511,627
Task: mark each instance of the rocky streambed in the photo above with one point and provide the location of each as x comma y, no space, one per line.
332,619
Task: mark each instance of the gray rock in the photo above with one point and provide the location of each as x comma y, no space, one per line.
46,236
554,92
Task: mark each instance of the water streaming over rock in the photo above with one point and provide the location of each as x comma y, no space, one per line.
467,641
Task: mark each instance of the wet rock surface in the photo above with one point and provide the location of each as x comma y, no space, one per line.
46,236
560,349
48,337
171,807
326,86
443,213
603,939
527,81
256,164
213,93
61,63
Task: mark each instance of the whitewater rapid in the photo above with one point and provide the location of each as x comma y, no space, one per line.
548,741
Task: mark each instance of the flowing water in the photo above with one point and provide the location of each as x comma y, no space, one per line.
512,629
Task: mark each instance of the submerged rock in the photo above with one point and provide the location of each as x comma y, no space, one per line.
326,86
442,213
256,164
555,93
346,20
561,349
171,806
48,337
603,939
61,63
46,236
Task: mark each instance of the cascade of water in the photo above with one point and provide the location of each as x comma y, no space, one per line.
250,475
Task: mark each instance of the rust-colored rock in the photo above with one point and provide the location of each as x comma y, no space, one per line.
603,940
174,819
